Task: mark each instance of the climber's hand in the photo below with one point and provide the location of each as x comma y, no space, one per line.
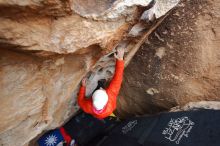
119,53
84,82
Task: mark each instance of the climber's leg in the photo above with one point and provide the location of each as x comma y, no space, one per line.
84,128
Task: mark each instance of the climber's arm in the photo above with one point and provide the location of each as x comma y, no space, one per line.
82,101
116,81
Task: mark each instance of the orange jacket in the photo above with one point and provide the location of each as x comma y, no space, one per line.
112,91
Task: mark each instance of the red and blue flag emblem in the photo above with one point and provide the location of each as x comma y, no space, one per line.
51,138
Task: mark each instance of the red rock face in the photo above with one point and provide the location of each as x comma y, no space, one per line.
179,63
47,47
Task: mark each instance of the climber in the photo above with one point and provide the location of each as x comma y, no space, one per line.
103,101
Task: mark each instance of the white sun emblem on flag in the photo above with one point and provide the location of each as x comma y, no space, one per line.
51,140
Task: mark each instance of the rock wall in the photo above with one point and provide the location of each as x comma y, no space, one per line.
179,63
48,46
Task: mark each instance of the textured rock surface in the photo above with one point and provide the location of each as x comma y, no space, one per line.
179,63
70,33
198,105
48,46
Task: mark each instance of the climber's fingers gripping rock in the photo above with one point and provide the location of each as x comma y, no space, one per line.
84,80
119,53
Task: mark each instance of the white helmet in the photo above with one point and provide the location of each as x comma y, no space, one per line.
99,99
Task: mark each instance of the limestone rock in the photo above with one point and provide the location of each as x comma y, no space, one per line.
214,105
69,33
48,46
180,59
